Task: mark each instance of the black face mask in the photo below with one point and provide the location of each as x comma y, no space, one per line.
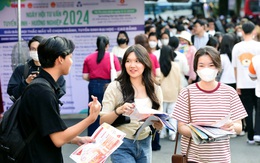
121,41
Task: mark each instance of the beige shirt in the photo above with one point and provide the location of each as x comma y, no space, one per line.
113,96
171,84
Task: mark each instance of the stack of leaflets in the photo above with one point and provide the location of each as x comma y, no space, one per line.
149,115
107,140
211,133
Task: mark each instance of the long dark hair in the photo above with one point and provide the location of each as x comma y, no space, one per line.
227,44
124,78
173,43
165,60
102,42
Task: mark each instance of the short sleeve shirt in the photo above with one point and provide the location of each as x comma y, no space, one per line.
99,70
40,110
208,106
155,63
242,54
113,96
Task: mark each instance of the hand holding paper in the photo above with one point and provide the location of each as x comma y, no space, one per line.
107,140
209,133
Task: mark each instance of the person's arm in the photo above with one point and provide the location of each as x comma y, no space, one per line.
233,126
17,83
183,129
110,117
238,90
70,134
234,64
192,75
86,71
85,76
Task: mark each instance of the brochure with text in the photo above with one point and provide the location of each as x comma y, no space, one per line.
149,115
210,133
107,140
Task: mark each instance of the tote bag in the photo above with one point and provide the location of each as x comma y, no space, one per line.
113,73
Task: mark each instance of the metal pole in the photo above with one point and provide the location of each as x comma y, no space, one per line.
19,30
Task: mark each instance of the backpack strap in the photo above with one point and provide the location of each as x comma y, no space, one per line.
36,81
32,134
26,70
41,81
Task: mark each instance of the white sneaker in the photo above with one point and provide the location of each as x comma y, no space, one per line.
242,133
233,136
257,138
172,137
162,135
250,142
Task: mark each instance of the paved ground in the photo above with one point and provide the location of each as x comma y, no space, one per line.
240,151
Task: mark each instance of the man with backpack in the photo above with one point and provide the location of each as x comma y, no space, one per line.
39,109
200,37
25,73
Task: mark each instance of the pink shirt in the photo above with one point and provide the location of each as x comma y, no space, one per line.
190,58
101,70
155,63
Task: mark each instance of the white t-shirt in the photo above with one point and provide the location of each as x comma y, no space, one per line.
228,75
256,66
242,55
118,51
157,53
184,67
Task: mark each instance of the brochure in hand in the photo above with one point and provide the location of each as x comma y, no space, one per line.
149,115
108,139
206,134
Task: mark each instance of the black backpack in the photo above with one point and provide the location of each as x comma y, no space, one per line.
12,143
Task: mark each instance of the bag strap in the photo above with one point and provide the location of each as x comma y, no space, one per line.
177,134
33,133
26,70
112,60
37,81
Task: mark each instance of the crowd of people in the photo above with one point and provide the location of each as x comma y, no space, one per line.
175,66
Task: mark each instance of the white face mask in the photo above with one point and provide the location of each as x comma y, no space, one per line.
239,34
207,74
152,44
34,55
165,41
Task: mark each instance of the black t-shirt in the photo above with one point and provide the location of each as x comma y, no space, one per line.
40,110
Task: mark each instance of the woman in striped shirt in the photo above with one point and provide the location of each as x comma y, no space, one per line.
210,101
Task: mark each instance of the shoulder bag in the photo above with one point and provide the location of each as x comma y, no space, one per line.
180,158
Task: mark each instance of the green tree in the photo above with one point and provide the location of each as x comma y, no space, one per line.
223,7
238,7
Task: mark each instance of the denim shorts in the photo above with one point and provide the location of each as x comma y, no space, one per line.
139,151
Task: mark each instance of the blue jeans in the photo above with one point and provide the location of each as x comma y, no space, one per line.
96,87
139,151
